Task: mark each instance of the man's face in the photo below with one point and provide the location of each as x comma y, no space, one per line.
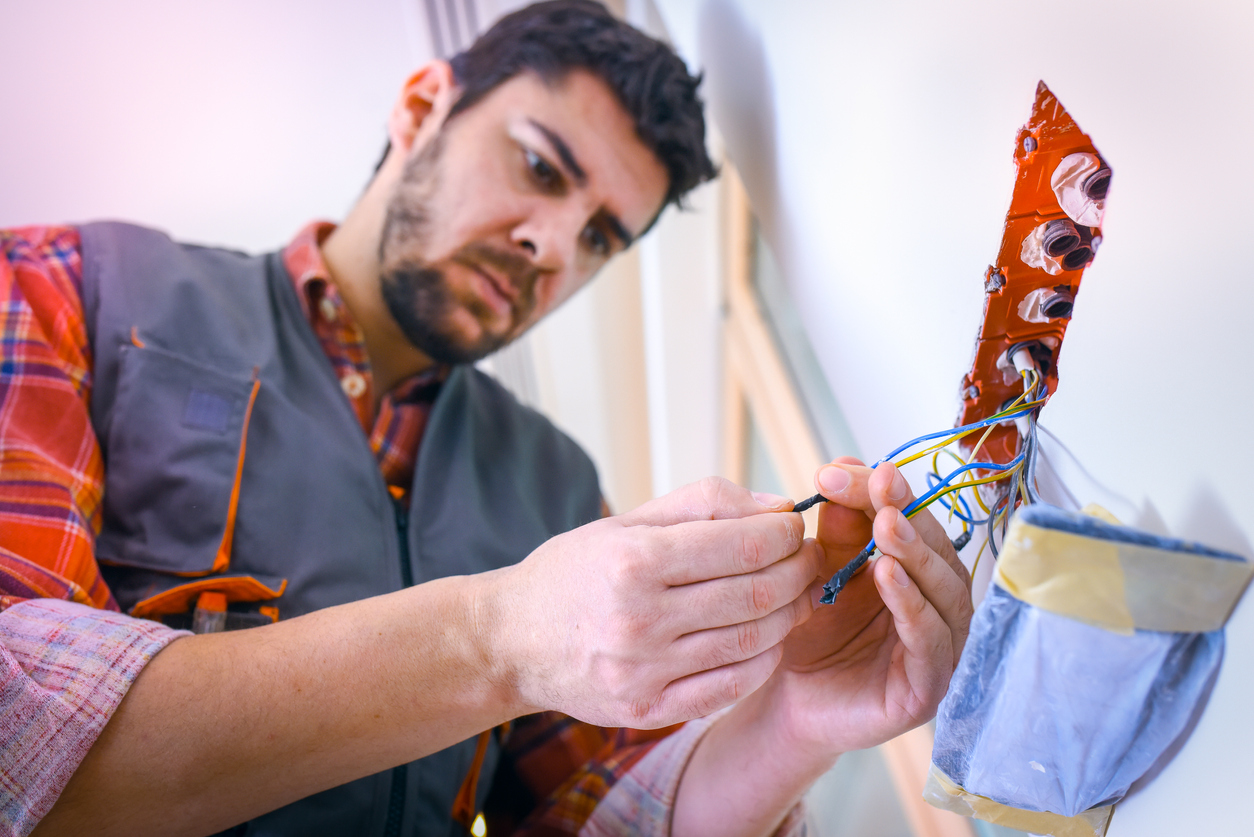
512,207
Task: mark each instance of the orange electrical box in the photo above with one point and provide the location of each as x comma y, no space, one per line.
1053,230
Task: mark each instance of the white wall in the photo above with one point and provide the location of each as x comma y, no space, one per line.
875,140
230,122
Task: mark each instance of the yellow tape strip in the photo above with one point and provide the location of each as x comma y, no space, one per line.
1119,586
1071,575
941,792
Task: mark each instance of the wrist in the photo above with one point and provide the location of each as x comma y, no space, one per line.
749,770
778,711
499,639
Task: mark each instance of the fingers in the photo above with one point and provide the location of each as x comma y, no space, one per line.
717,647
887,487
844,481
946,592
925,656
709,549
744,598
845,523
712,498
706,692
856,487
843,531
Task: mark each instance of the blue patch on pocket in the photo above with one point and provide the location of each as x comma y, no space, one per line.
207,410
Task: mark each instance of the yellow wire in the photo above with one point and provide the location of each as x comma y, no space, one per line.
966,478
976,565
952,488
942,444
1030,380
1014,406
979,444
980,501
936,473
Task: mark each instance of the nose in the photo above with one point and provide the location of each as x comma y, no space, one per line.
550,235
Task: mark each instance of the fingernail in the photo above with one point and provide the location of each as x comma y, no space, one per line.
902,529
771,501
898,488
899,575
833,480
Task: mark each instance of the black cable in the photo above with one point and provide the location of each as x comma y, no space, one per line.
809,503
832,588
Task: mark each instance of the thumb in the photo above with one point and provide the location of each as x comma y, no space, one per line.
712,498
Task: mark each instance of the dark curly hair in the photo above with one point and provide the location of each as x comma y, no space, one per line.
650,80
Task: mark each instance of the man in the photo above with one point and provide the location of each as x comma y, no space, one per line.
229,398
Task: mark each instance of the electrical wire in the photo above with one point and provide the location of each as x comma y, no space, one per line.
976,564
952,435
1019,474
837,583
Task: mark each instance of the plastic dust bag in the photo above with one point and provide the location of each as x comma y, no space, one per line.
1089,657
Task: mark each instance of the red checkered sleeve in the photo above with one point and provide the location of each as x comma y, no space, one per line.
51,472
555,769
595,782
66,657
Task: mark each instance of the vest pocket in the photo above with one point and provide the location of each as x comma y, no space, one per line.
174,449
180,598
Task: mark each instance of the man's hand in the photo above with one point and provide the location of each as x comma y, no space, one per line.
660,615
859,672
877,662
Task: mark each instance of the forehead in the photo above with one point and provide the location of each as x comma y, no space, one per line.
623,174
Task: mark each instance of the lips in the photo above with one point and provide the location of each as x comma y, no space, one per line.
497,291
500,284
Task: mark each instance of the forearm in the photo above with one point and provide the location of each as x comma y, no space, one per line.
747,772
220,728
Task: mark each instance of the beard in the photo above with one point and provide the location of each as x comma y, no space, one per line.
418,295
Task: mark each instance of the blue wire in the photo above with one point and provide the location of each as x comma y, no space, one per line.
956,430
842,576
986,466
933,478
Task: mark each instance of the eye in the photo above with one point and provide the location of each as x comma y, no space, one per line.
544,173
597,241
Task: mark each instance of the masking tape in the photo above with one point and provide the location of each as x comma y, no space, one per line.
941,792
1119,586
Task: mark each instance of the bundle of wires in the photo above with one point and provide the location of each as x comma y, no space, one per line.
1018,476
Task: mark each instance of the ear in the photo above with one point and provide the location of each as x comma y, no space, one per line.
425,100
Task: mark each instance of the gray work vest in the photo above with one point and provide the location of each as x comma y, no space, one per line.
179,336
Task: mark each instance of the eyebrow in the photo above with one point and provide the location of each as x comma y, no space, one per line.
563,152
616,227
581,178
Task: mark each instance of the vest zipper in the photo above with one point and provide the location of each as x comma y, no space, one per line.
402,531
396,801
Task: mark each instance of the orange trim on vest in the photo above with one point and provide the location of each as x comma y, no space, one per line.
242,588
223,558
213,600
139,344
269,610
464,805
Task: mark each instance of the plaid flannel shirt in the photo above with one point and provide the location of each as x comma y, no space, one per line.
69,656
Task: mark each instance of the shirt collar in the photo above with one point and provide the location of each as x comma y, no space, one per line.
303,260
322,304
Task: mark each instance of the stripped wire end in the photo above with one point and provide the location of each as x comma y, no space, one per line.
832,588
